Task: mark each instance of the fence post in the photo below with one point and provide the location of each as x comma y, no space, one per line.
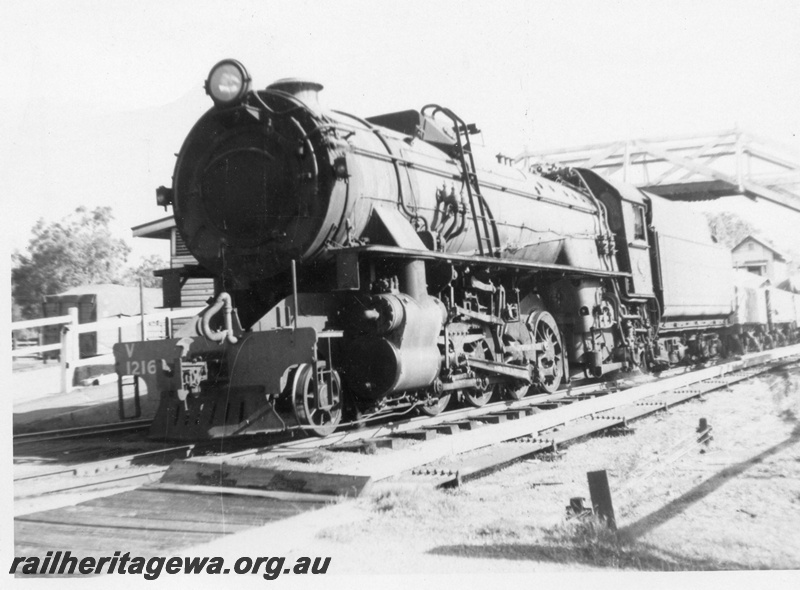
141,308
69,350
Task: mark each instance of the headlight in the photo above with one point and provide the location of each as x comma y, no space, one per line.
227,83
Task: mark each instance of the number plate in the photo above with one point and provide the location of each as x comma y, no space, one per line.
140,368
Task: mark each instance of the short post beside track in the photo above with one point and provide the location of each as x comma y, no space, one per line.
601,497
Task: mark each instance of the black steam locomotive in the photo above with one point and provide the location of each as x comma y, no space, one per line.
373,266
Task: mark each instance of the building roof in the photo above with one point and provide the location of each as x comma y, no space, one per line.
160,229
764,242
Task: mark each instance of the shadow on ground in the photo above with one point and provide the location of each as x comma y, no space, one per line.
697,493
636,556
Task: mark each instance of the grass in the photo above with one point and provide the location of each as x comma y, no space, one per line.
436,518
590,542
587,541
412,501
583,542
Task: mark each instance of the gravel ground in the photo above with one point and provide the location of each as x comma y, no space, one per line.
733,505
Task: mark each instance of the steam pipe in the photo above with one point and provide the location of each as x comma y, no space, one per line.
223,299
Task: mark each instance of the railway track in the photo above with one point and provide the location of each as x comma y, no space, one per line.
81,432
545,421
96,455
179,489
593,401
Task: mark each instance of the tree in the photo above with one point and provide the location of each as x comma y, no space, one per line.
729,228
80,249
145,272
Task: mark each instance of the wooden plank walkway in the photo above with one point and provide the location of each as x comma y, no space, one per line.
146,522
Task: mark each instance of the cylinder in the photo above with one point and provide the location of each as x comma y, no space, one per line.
406,358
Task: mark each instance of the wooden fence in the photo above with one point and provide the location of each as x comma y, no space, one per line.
68,347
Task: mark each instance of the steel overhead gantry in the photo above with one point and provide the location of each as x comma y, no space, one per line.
690,167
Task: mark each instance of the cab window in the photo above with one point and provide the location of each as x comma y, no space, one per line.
639,223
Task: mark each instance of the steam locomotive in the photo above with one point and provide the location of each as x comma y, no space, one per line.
378,266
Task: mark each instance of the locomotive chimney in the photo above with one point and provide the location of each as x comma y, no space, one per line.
305,90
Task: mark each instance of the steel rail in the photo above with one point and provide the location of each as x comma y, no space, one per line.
80,432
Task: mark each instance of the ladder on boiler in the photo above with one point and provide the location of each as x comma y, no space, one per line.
485,226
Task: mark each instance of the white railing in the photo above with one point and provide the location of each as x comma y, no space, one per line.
68,347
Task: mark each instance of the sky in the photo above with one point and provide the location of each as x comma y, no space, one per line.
98,95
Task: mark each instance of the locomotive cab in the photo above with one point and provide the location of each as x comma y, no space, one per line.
628,213
635,234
